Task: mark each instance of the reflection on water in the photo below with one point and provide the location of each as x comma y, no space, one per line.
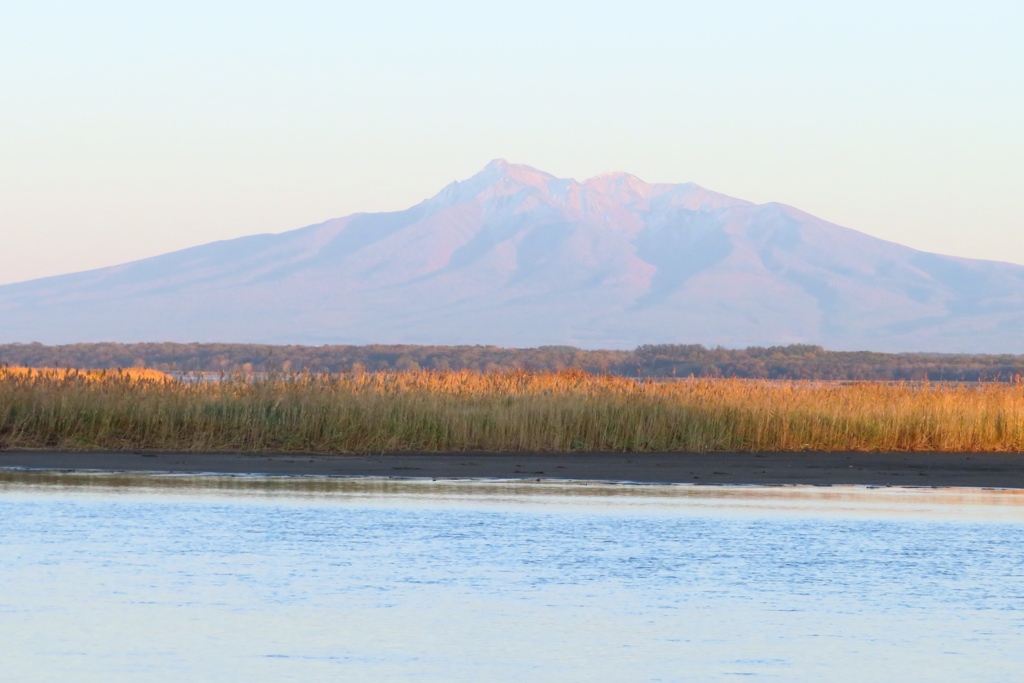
927,502
108,577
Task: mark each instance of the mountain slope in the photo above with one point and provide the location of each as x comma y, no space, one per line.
516,257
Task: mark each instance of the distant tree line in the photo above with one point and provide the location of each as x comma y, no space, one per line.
803,361
796,361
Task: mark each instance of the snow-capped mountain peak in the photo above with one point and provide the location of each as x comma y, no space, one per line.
518,257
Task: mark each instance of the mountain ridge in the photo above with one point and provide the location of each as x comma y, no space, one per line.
515,256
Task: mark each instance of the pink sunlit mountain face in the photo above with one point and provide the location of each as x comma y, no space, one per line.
516,257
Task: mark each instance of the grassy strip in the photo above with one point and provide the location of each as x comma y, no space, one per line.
509,411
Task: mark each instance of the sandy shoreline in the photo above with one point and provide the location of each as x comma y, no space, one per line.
999,470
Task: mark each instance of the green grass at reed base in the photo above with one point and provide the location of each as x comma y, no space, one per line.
504,411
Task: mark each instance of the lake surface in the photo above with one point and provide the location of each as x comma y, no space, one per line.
185,578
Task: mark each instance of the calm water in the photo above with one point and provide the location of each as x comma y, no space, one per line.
108,578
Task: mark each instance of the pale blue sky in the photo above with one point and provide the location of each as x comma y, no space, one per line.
127,131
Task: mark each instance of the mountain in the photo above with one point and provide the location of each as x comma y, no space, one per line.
516,257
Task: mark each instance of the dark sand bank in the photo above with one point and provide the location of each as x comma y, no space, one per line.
1001,470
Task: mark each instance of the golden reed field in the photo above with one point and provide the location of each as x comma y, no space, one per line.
93,375
505,411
